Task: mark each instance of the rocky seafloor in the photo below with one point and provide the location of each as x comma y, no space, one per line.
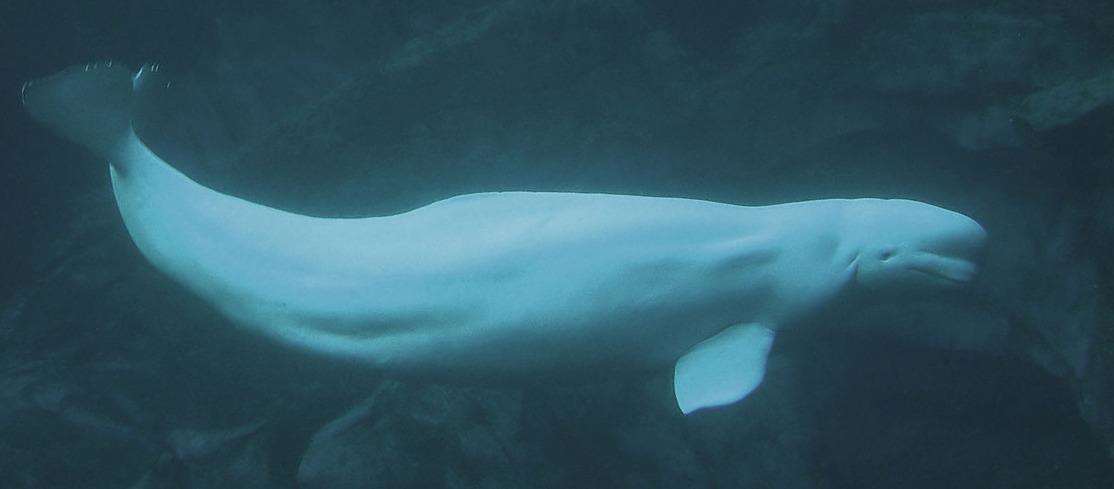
112,376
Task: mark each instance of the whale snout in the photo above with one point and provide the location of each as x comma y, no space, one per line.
916,244
964,238
952,251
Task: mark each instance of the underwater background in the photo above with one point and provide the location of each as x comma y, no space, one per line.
111,376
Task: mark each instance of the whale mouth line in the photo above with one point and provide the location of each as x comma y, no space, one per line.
934,274
952,270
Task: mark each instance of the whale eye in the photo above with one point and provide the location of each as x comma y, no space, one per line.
886,254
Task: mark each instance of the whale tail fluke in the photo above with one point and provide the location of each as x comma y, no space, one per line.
88,104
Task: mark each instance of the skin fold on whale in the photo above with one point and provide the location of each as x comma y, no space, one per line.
494,286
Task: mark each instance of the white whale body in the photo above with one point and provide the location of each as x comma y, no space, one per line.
495,286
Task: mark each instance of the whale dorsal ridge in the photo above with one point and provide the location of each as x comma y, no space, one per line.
724,368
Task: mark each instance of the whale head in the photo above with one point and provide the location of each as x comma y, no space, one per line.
903,243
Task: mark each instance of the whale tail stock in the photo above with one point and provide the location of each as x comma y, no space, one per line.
91,104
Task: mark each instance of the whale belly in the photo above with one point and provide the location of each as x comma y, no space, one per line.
582,310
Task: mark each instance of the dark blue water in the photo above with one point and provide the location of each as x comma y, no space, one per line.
113,376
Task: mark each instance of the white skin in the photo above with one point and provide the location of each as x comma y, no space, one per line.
497,286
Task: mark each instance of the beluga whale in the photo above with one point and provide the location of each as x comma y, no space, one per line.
498,286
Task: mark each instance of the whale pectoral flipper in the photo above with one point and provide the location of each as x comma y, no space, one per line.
724,368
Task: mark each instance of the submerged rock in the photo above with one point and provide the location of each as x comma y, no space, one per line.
965,51
1068,101
418,437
